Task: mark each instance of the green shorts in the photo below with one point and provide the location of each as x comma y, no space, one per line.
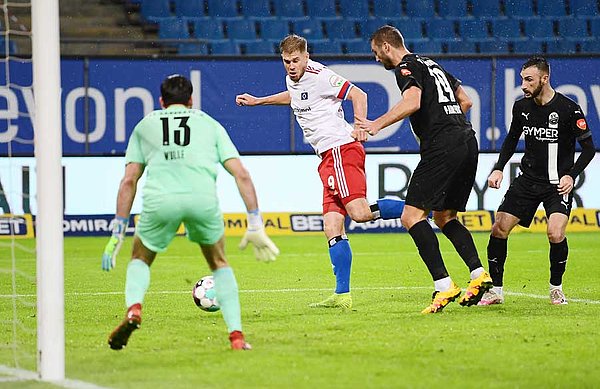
162,216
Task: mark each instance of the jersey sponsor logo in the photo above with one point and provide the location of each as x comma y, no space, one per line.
405,72
301,110
542,134
582,124
526,115
336,81
304,96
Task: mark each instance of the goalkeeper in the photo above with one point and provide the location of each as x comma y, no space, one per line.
180,148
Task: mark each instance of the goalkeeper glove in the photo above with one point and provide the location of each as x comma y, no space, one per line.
264,248
111,250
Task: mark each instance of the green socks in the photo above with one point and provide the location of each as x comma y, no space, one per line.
137,282
228,298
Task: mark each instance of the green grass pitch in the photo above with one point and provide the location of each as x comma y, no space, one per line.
384,342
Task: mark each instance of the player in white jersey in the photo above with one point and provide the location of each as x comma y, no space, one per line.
315,94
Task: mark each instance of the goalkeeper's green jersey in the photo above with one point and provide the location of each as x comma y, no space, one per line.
181,149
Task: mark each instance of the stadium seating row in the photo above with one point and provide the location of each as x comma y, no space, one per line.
363,9
325,46
443,30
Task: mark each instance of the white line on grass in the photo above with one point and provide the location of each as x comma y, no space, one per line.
297,290
14,375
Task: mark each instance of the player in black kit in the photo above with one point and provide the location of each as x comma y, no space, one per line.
444,177
551,123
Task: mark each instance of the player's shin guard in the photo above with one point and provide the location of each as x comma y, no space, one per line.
496,253
463,243
137,282
558,261
387,208
227,292
429,249
340,254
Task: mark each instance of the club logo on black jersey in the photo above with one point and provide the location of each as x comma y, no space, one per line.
526,115
405,72
582,124
304,96
553,120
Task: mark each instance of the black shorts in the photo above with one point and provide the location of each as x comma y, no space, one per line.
444,179
525,195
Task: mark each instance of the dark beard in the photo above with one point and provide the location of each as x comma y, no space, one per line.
536,92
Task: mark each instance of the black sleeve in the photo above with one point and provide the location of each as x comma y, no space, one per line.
408,74
454,82
588,151
510,142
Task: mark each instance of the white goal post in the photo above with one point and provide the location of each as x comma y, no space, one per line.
49,218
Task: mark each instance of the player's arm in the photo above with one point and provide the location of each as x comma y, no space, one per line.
588,151
410,103
281,98
125,197
264,248
463,99
359,106
506,152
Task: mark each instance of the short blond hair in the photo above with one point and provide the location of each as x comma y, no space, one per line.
292,43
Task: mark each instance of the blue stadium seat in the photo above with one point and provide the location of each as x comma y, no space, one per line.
341,29
211,29
528,46
289,9
199,48
419,9
155,9
573,28
551,8
585,8
354,9
324,46
595,28
224,9
173,28
493,47
274,30
224,47
358,47
368,27
453,9
241,30
591,46
410,28
321,9
474,29
259,47
256,9
12,45
426,47
507,29
539,28
441,30
518,8
310,29
189,8
387,9
560,46
486,9
461,46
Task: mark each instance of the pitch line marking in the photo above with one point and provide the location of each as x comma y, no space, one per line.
298,290
13,375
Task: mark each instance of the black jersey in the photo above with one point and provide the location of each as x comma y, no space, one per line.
550,132
440,122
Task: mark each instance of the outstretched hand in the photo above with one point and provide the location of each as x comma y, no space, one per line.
245,99
264,248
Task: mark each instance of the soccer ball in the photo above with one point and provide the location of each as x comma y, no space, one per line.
204,294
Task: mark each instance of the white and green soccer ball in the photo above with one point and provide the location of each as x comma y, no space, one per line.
204,294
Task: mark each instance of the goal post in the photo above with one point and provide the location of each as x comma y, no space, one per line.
49,218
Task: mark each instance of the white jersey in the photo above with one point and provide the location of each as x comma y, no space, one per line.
317,103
